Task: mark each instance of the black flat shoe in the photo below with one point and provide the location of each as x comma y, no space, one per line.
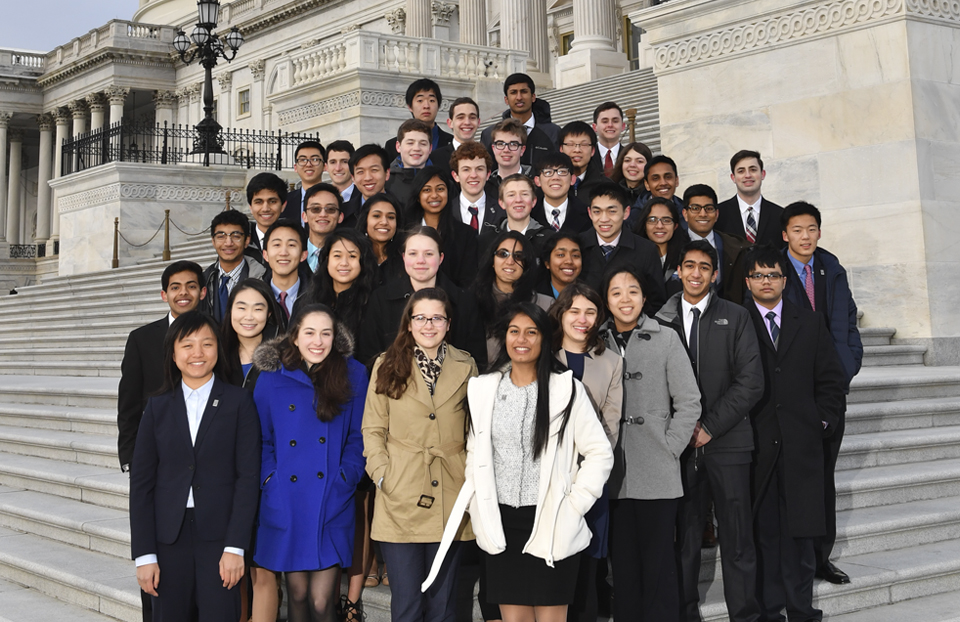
828,572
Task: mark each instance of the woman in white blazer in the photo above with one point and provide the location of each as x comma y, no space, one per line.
530,417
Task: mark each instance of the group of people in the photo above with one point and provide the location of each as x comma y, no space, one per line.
526,346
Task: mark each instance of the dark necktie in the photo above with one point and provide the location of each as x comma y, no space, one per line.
695,337
608,164
774,329
556,220
224,296
283,305
751,230
474,221
607,251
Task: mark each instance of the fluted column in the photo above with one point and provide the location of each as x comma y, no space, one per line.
98,109
539,45
593,26
515,25
4,124
44,170
62,117
419,18
473,22
13,187
225,102
117,95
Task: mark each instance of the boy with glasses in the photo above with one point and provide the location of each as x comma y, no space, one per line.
700,213
558,210
508,144
229,231
309,159
324,212
579,141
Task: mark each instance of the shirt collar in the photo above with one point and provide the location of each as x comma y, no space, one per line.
777,310
456,144
202,392
347,194
480,202
291,293
548,209
710,237
234,274
616,241
687,307
744,205
530,123
798,265
169,318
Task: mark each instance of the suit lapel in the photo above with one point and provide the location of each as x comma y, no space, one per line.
789,327
213,404
450,380
179,406
762,329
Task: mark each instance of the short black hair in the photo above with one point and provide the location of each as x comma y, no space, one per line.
702,246
341,145
182,327
578,128
368,150
554,159
519,78
699,190
266,181
645,285
310,144
743,154
289,224
604,107
659,159
460,101
182,265
762,255
798,208
230,217
613,191
421,85
322,187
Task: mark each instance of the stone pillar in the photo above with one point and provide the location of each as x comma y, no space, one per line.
539,46
594,52
164,103
183,106
4,123
226,98
258,69
98,108
62,117
117,96
515,25
196,102
473,22
419,18
593,26
13,187
79,112
44,171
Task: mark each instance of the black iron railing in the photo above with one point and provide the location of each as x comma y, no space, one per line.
23,251
175,144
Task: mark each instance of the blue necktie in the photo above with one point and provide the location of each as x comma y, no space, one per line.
774,329
607,251
224,296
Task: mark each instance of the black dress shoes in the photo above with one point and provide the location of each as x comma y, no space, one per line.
831,573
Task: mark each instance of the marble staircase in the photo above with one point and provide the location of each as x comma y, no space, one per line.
64,532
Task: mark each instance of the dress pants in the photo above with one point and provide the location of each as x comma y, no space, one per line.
785,565
409,564
831,450
190,584
727,481
645,587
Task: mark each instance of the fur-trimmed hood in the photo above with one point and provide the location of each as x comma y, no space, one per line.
267,355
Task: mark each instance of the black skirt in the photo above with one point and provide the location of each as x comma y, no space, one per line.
517,578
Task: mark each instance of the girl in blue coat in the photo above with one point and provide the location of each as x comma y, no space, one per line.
310,395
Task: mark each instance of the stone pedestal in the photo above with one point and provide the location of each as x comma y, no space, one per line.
593,54
853,104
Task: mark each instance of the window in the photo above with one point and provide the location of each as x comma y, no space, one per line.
631,37
566,40
243,102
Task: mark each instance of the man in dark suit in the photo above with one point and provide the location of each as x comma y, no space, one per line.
801,405
323,214
309,159
195,482
700,214
816,281
230,233
288,274
723,350
609,125
339,153
520,95
267,197
423,101
141,371
747,214
476,203
557,209
579,142
609,244
464,119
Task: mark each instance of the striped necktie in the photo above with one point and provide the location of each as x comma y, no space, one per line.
808,286
751,230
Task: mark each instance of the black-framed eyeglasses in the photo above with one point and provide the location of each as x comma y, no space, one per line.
512,145
503,253
709,209
421,320
326,210
559,172
666,220
236,236
756,277
304,160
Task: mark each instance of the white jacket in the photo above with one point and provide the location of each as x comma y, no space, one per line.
568,487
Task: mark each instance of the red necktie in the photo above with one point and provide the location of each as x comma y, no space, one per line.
474,211
283,305
808,285
608,164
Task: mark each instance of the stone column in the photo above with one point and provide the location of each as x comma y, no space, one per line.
45,121
224,104
13,188
515,25
419,18
258,69
117,96
473,22
79,112
62,117
539,45
183,106
164,103
98,108
4,123
594,53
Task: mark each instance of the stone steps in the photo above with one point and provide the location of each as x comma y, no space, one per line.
876,336
103,486
63,446
67,418
22,604
893,355
885,384
937,608
898,483
41,390
902,415
898,447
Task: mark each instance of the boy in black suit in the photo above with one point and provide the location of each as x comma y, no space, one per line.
477,202
266,196
609,125
309,160
288,274
558,209
579,141
747,213
464,119
339,153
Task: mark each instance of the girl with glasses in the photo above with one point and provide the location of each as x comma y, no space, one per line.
659,222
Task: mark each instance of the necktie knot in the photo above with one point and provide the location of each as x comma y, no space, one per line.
607,250
774,329
556,220
474,220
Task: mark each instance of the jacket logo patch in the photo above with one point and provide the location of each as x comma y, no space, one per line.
721,322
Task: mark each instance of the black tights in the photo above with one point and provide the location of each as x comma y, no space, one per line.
312,596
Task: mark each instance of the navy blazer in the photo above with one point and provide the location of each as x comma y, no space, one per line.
222,466
141,375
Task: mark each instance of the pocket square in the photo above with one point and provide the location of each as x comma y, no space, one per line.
721,322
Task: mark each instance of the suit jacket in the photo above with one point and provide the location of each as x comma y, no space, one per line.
441,156
732,250
598,162
351,210
592,178
803,387
141,375
222,466
460,253
632,250
293,210
768,229
211,280
492,212
253,250
577,219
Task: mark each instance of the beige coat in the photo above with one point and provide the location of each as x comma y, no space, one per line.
416,444
603,378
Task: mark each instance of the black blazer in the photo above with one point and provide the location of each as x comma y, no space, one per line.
803,387
141,375
577,219
632,250
492,211
459,253
292,210
351,210
222,466
253,250
768,229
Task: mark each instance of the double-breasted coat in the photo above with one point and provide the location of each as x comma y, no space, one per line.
417,444
309,468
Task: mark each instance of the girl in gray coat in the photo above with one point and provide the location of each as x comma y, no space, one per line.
661,406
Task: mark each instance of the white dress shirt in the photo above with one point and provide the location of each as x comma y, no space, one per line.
615,243
615,151
530,123
687,309
548,212
465,204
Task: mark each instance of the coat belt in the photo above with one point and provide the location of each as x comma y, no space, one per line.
429,454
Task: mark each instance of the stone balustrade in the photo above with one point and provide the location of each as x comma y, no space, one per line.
130,36
20,63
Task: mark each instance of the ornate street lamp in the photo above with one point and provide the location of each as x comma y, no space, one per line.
208,48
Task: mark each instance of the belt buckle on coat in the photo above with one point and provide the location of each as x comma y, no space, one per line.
426,501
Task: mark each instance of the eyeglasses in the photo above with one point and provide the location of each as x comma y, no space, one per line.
580,146
709,209
503,253
236,236
666,220
559,172
303,160
512,145
420,321
757,277
326,210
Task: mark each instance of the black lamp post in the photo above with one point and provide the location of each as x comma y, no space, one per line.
209,47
